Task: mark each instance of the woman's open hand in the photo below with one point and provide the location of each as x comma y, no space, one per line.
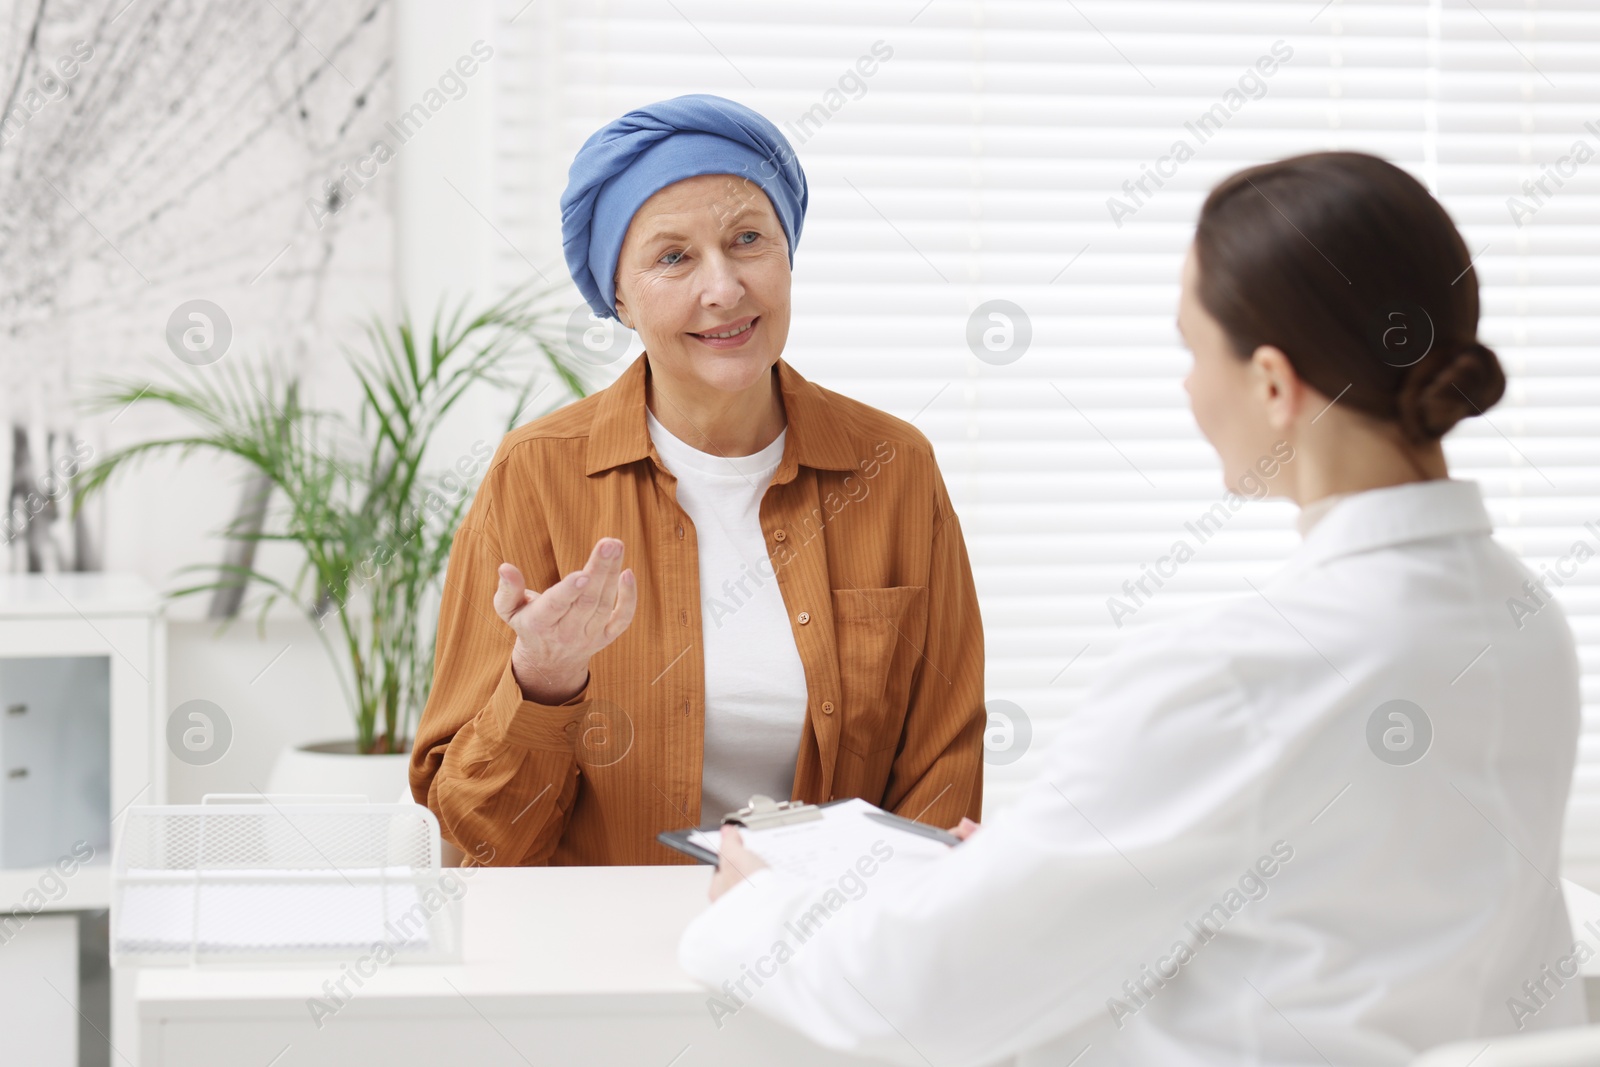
559,629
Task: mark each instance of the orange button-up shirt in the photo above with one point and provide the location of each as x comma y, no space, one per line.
871,563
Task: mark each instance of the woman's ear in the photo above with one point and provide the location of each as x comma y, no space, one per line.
1276,386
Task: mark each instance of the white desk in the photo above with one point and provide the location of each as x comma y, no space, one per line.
562,965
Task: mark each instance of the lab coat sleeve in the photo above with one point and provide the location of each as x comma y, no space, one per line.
1030,927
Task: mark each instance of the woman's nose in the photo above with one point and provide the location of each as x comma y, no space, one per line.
722,287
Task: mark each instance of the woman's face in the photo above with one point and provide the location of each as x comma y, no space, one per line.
1231,398
702,256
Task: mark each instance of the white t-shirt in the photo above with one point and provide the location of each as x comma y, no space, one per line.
755,682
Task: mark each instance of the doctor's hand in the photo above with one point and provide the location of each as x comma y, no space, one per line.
559,629
735,863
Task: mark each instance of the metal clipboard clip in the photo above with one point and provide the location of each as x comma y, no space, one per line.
763,812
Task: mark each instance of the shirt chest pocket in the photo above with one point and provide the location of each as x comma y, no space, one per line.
879,633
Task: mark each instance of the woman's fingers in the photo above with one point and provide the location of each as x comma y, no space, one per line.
627,601
550,606
576,614
609,550
569,622
510,594
600,557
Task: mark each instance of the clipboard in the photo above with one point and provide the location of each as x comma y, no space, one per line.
763,812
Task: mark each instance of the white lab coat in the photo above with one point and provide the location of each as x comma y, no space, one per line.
1214,866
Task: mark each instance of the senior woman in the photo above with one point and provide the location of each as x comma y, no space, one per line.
797,616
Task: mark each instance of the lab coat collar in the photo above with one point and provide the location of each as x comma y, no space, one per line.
1393,515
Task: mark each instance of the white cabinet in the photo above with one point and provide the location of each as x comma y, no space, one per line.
55,758
39,980
82,736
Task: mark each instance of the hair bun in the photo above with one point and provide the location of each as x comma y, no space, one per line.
1442,390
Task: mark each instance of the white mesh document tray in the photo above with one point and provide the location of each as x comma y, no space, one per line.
250,878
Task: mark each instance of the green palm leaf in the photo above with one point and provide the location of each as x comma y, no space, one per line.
354,494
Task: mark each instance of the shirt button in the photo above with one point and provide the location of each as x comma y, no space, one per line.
805,617
827,707
779,536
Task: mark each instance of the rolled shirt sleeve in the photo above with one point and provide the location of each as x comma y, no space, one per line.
497,769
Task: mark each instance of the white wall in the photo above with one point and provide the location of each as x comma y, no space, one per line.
278,689
189,161
439,180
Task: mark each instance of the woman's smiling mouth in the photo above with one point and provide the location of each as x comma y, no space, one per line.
730,335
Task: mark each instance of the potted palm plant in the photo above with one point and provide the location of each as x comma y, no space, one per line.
354,495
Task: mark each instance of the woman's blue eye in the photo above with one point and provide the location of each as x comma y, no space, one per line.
670,262
750,234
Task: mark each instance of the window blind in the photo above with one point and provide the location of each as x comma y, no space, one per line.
999,212
1516,116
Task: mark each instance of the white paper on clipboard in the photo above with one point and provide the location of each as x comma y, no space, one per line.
824,848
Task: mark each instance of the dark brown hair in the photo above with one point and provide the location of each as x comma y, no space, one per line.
1347,263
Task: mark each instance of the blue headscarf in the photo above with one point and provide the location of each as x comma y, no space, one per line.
625,162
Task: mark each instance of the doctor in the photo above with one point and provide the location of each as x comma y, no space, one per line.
1318,823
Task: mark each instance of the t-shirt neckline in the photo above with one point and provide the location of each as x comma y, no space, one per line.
680,454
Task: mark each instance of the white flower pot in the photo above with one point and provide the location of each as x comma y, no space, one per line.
336,767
